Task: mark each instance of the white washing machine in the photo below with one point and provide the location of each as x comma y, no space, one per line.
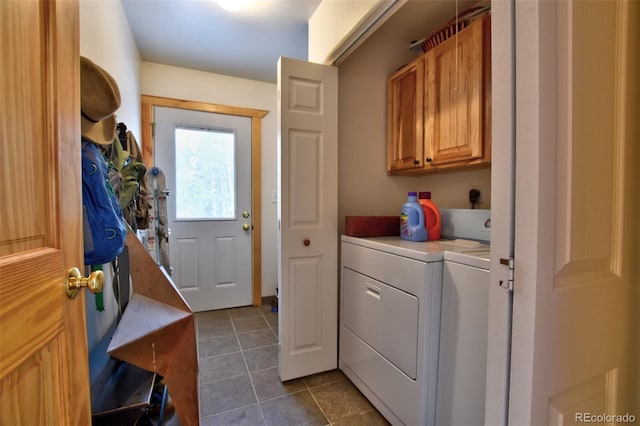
390,318
462,360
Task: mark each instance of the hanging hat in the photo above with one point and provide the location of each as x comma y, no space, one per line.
100,98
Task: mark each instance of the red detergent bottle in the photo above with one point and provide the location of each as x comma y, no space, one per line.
431,215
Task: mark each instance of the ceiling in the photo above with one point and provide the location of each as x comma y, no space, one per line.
201,35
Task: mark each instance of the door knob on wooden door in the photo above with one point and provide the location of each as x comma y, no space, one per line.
75,281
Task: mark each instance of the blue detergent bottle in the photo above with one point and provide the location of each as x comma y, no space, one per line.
412,226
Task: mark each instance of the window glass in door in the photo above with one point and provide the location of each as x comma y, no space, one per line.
205,174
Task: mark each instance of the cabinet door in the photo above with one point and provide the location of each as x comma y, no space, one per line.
454,98
405,112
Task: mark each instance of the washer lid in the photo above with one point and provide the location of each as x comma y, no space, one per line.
479,257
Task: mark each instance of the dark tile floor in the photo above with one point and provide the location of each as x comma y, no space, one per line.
239,383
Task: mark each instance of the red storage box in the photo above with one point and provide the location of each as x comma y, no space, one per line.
372,226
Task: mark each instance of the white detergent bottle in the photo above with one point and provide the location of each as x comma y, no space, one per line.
412,226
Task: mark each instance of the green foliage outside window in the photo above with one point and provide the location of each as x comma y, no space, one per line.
205,174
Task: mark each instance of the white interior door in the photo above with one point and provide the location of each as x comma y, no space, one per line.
502,212
307,217
575,335
206,159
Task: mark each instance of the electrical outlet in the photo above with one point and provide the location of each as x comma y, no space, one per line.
483,194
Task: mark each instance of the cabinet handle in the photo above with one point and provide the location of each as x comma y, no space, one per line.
428,159
416,162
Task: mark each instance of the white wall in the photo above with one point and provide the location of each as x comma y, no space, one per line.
187,84
106,39
336,27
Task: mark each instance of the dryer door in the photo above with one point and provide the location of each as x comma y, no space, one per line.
384,317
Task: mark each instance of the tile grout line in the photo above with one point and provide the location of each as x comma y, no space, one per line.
253,387
265,316
235,333
307,388
318,404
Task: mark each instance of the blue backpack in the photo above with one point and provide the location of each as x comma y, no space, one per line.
104,227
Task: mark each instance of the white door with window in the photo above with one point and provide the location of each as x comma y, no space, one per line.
308,217
206,159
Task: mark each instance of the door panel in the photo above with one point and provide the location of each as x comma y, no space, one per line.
44,374
186,253
405,117
307,213
502,212
211,258
576,253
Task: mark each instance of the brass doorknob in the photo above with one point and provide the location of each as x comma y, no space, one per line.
245,227
75,281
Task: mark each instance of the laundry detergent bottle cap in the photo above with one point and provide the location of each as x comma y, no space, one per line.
412,224
432,216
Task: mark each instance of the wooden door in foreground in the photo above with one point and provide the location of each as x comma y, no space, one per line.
44,374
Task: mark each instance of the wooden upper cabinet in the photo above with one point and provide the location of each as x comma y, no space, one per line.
456,104
454,97
405,117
